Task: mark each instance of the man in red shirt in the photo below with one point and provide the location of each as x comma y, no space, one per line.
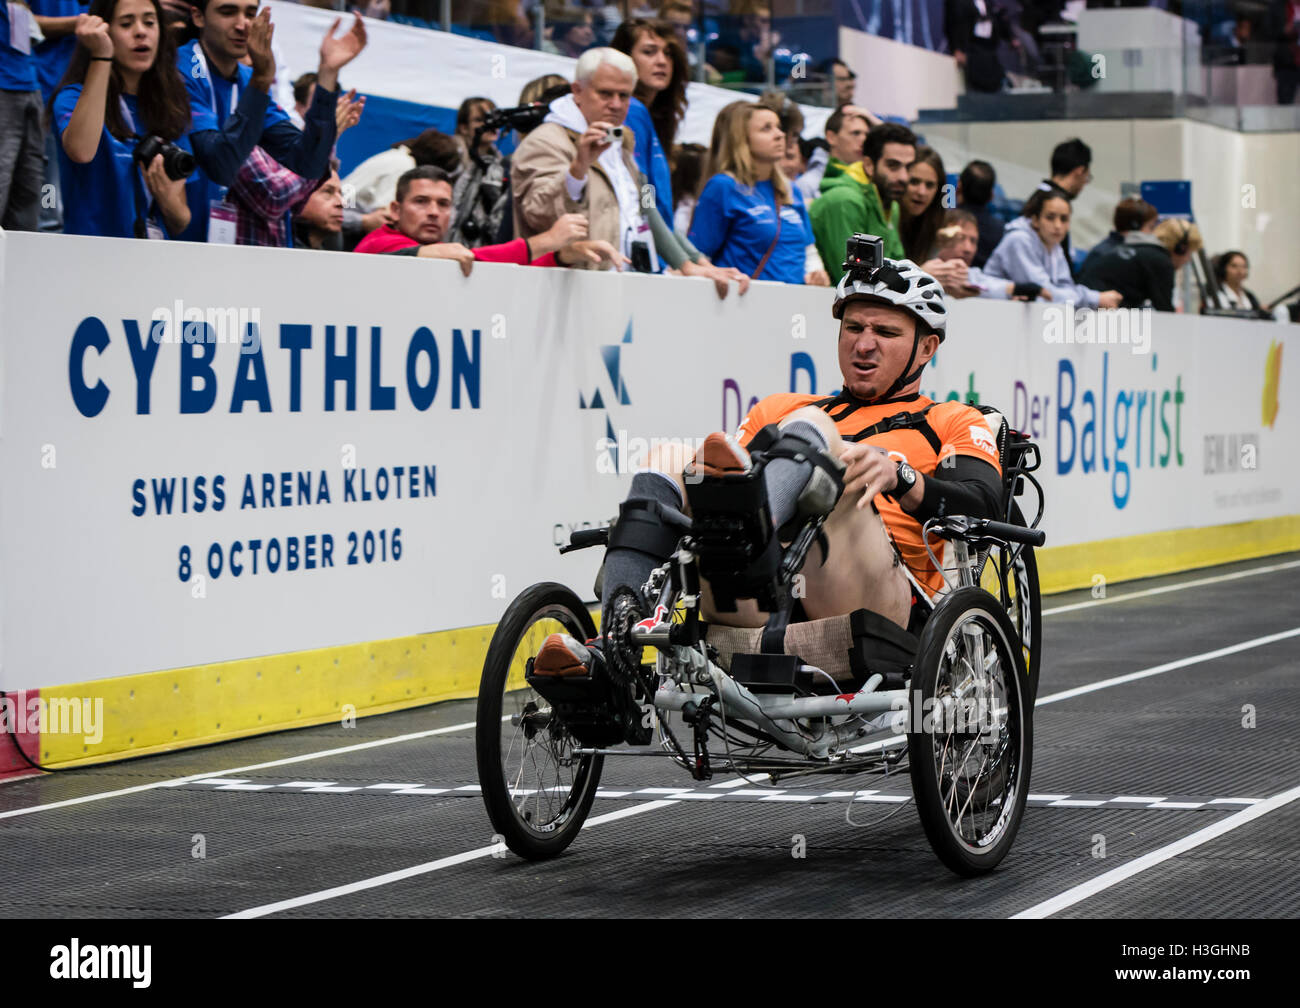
423,209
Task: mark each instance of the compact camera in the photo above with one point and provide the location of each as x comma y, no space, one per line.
614,133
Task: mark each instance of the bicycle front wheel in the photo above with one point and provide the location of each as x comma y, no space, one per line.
537,791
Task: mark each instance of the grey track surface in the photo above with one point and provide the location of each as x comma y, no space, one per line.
1177,736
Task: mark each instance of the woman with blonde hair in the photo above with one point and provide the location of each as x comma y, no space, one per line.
749,216
721,123
539,86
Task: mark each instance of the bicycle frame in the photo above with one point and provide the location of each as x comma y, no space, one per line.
837,721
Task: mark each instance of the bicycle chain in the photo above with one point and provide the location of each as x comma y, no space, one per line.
622,658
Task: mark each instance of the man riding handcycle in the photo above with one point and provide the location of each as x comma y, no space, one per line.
799,583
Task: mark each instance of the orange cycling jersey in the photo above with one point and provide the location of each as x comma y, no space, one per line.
953,429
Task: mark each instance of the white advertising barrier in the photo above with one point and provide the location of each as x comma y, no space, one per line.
440,69
354,448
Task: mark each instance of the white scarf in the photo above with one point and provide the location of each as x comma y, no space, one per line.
566,113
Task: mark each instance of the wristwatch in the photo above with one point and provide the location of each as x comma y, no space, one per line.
906,480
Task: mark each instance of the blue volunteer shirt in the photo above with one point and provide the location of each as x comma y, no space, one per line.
53,55
17,69
734,225
230,117
212,97
101,198
649,157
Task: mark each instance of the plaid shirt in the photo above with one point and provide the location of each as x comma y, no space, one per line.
263,193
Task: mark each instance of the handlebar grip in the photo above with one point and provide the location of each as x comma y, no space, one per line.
584,538
1015,533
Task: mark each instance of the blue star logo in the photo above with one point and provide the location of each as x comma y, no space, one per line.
617,387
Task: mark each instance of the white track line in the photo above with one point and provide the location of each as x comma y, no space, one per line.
305,757
1115,876
1168,666
421,869
1197,583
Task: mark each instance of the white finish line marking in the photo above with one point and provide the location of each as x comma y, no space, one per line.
208,774
1115,876
733,793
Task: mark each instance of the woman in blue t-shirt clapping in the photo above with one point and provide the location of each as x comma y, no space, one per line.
749,216
122,87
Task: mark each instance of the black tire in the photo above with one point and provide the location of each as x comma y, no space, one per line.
970,786
537,793
1020,596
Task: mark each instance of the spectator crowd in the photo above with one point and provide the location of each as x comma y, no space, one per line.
155,120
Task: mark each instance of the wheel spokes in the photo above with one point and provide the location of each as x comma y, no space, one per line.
974,774
538,768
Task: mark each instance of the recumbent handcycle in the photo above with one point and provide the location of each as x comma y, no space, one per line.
950,699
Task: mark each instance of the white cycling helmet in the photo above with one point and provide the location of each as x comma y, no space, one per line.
901,283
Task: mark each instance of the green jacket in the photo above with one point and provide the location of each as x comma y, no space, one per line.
834,169
847,207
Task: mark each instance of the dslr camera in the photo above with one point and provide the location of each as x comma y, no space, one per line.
523,118
177,163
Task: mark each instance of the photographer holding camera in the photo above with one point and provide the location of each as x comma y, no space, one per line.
123,118
482,191
580,161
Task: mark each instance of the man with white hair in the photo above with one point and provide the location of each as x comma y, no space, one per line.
580,161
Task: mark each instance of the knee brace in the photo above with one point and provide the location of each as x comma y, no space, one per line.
649,527
826,483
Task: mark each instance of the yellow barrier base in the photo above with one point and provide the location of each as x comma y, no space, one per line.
158,712
1063,568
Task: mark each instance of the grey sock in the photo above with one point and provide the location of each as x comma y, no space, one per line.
785,478
628,567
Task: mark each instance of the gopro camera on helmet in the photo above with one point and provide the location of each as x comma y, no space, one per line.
863,255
